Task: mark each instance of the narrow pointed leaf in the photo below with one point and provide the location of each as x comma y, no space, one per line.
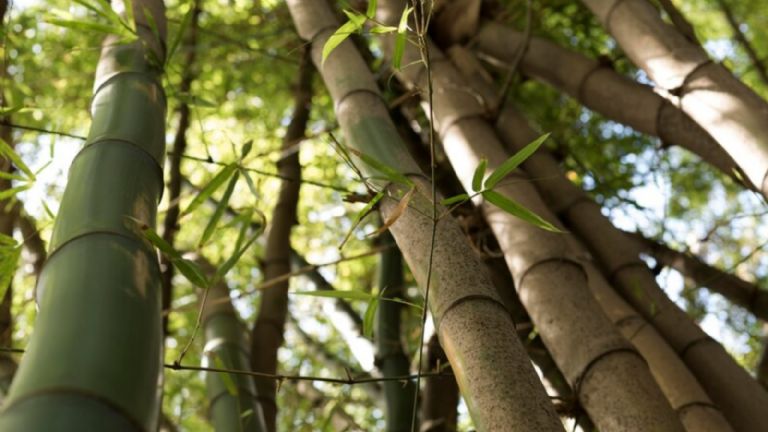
517,210
220,209
401,39
371,11
360,215
177,38
454,199
389,173
396,213
6,151
513,162
191,271
369,317
13,191
223,175
477,178
340,36
229,263
347,294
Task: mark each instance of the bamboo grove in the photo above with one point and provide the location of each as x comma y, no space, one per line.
395,215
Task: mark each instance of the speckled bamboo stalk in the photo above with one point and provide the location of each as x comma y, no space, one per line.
474,328
605,91
726,383
609,377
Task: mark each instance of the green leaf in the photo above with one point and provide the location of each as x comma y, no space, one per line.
229,263
7,152
371,9
220,209
400,39
9,259
517,210
341,34
191,271
370,315
5,194
360,215
513,162
382,29
195,101
346,294
223,175
477,178
454,199
177,38
246,150
10,110
389,173
226,379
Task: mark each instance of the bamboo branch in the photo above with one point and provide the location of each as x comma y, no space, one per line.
743,41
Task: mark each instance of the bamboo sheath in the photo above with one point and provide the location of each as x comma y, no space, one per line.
600,88
726,383
745,294
474,328
232,398
726,108
610,379
74,374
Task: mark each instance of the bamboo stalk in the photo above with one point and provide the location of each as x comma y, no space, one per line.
611,379
233,398
726,108
473,327
605,91
726,383
94,359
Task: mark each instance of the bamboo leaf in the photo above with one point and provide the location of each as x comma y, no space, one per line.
396,213
371,12
246,149
389,173
477,178
5,194
223,175
10,110
359,217
220,209
191,271
229,263
454,199
341,34
7,152
400,39
513,162
12,176
177,38
382,29
370,315
346,294
517,210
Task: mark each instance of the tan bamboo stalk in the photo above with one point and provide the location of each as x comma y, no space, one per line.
726,108
474,328
726,383
267,334
737,290
739,35
441,394
611,379
694,408
605,91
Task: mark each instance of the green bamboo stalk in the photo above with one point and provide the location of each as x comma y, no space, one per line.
233,398
474,328
94,359
390,356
